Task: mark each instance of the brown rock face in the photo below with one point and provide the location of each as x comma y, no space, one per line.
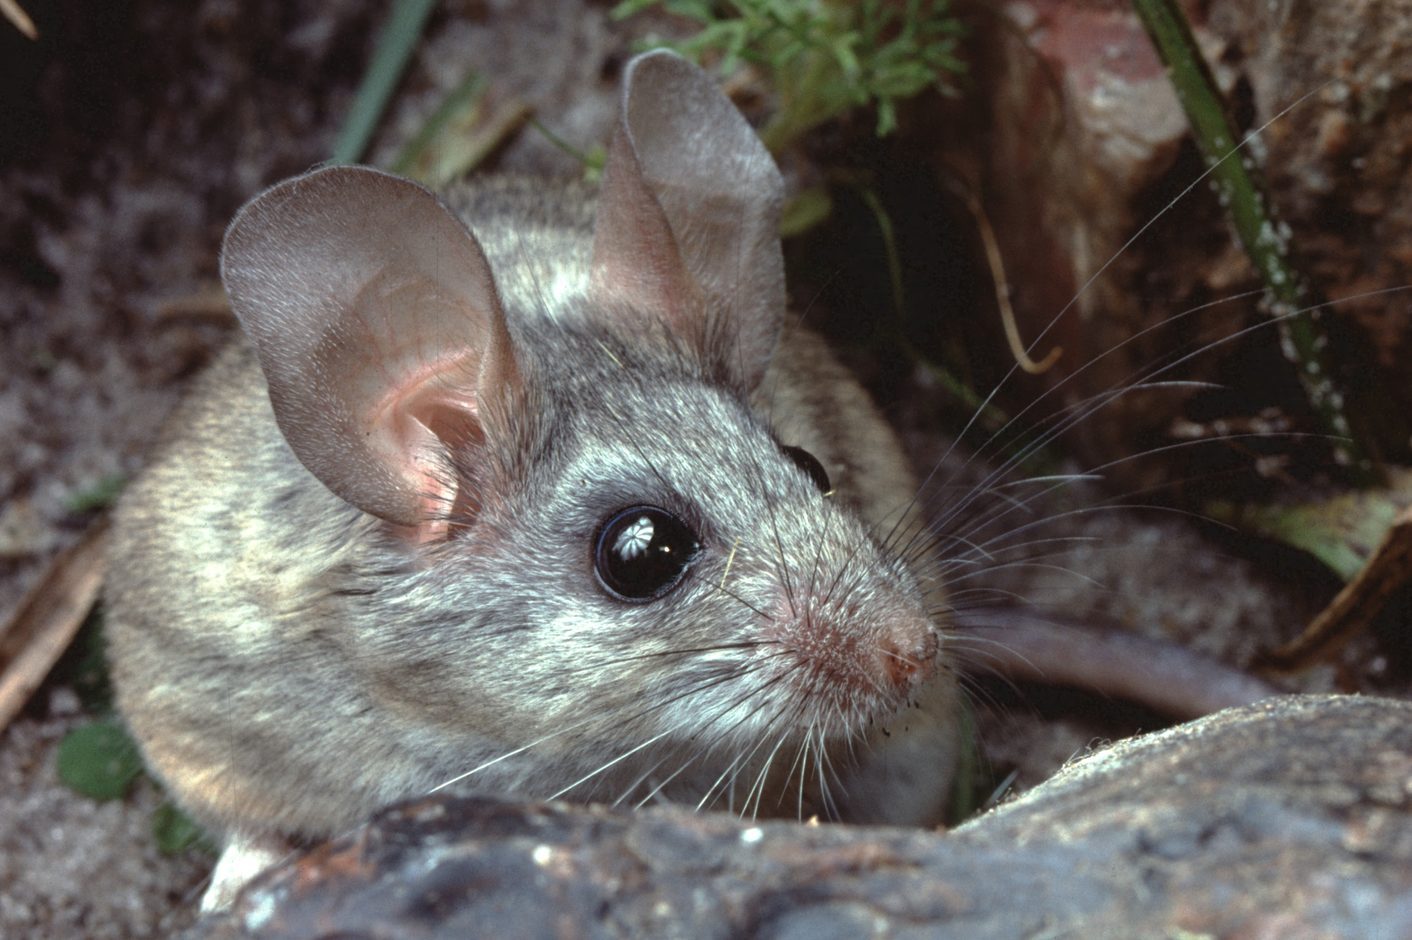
1086,144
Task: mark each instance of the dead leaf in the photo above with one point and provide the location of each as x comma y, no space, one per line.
1343,531
15,13
1364,536
47,618
209,303
1350,612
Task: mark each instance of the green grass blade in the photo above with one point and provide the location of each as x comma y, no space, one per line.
399,37
1248,207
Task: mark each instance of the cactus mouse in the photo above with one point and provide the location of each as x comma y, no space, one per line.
532,491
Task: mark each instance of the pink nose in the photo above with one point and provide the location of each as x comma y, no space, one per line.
907,653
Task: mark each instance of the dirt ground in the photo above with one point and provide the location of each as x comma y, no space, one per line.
138,129
133,134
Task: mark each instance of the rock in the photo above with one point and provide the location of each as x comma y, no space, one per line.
1084,145
1288,818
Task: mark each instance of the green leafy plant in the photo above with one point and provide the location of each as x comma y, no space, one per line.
99,759
99,495
174,832
825,57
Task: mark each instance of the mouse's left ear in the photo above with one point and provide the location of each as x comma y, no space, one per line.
688,216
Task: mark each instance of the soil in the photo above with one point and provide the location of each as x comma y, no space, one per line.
140,127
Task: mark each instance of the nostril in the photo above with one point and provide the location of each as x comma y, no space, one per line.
907,654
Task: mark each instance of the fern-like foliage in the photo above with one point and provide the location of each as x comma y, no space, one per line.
825,57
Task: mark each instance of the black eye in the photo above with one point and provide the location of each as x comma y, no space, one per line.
641,553
809,464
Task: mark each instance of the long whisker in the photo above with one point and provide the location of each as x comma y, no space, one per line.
1103,268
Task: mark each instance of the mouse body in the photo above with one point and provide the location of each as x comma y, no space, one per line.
526,489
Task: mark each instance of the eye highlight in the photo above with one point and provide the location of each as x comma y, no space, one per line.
810,465
641,552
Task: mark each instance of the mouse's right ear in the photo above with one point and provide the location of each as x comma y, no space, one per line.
377,323
687,225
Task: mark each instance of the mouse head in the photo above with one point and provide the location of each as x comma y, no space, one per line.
592,478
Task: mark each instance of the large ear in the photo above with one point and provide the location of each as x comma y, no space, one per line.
376,320
689,212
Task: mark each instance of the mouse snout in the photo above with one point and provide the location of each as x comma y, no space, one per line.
906,651
854,652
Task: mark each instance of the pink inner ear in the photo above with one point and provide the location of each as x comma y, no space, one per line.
377,323
419,423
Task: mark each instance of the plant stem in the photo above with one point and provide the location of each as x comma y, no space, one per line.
1303,338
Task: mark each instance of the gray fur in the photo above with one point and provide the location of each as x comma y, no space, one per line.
290,663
